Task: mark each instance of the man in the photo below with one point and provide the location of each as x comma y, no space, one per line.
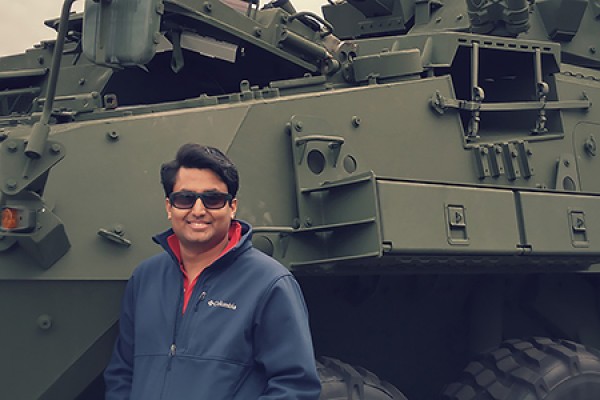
211,317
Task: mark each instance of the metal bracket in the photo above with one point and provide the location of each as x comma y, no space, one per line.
329,182
567,177
17,170
48,241
511,159
542,92
440,104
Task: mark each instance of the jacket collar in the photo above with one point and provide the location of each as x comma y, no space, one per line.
244,243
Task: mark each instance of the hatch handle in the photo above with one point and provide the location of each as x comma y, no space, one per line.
114,236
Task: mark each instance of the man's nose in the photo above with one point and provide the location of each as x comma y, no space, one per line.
198,208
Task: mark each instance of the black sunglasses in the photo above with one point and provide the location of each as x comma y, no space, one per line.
211,200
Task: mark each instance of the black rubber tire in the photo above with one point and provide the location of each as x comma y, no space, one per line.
341,381
534,369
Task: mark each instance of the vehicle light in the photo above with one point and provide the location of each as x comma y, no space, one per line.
9,218
17,219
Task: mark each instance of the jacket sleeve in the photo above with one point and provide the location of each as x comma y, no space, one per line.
119,372
283,344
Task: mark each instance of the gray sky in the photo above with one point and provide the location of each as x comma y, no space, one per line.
22,21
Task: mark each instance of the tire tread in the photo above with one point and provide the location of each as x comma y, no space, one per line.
522,369
341,381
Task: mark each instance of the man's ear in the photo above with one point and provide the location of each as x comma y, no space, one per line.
168,207
233,207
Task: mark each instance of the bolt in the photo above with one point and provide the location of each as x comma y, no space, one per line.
119,230
308,222
3,135
566,163
592,50
208,7
112,135
81,82
514,154
257,32
356,121
12,147
459,17
298,126
55,148
590,146
41,60
11,184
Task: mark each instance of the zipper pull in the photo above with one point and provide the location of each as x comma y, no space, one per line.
200,299
172,351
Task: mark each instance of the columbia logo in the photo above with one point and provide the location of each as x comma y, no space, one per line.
220,303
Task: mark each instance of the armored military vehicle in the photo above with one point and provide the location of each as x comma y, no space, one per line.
427,169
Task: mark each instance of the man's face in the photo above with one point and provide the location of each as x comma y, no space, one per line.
199,228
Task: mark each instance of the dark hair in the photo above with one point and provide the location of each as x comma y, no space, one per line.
193,155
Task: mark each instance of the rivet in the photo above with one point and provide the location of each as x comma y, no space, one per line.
257,32
208,6
566,163
356,121
307,222
44,322
298,126
81,82
592,50
12,146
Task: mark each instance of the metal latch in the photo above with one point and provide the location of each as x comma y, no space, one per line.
579,236
456,225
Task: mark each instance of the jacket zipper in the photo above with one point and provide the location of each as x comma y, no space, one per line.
173,347
178,317
200,300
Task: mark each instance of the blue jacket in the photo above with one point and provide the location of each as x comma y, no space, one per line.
244,334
